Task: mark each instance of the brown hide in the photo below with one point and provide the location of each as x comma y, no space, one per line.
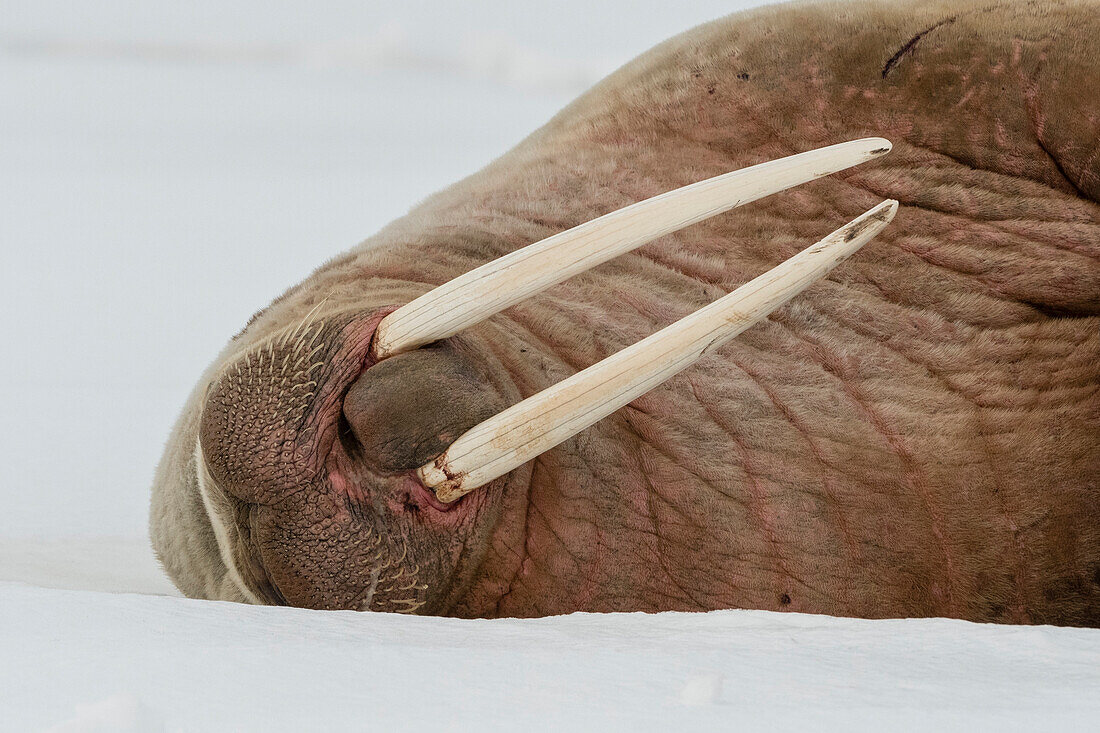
917,435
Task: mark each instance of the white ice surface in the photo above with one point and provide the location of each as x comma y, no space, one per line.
74,657
166,169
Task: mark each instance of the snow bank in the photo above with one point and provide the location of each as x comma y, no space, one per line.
114,564
98,661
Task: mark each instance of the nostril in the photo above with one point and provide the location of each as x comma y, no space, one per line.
345,433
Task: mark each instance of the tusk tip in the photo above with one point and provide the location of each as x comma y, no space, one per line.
877,146
886,210
873,220
869,223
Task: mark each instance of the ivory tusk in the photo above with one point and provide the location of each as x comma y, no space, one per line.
542,421
489,289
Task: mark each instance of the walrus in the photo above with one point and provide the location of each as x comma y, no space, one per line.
914,435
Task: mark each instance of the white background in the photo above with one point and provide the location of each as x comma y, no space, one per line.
168,168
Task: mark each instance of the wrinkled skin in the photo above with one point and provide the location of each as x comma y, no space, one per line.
917,435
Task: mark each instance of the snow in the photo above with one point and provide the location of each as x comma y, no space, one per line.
192,665
113,564
166,169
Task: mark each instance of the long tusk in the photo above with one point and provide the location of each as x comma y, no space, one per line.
538,423
479,293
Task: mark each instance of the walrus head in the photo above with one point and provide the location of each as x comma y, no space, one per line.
364,441
337,457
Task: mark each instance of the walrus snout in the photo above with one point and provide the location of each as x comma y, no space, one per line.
305,455
270,416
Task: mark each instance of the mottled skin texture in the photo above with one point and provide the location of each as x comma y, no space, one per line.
917,435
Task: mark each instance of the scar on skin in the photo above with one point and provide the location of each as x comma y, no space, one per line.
908,46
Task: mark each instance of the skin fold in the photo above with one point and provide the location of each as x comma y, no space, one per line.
916,435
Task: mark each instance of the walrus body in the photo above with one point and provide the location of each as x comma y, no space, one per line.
918,435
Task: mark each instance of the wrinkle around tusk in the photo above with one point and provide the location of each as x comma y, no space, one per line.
543,420
474,296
